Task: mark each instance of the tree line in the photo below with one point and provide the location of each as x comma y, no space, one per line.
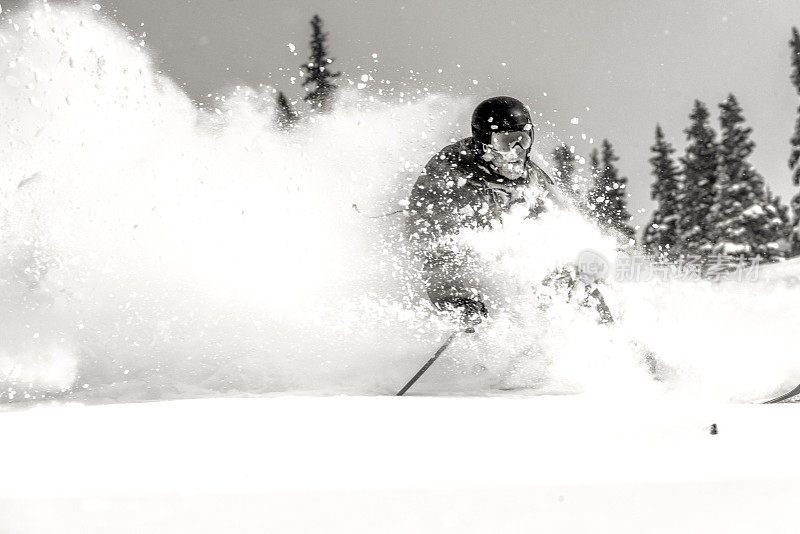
318,76
709,201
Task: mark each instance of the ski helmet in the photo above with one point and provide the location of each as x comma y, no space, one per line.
500,114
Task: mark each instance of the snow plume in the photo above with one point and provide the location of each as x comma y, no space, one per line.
538,336
729,340
151,249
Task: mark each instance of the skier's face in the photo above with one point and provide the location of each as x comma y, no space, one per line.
507,142
508,153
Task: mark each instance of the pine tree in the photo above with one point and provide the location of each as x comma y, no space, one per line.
587,186
794,238
318,73
783,212
564,166
743,222
794,158
661,235
564,174
594,166
285,114
569,178
700,175
608,195
780,208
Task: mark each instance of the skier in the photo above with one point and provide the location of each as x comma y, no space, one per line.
470,184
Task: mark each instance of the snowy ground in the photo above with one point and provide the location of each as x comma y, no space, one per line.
380,464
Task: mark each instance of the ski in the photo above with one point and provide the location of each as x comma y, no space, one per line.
785,396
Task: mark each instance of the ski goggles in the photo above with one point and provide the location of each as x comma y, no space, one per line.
506,141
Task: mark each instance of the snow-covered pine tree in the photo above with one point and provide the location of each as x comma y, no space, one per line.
563,165
700,175
794,236
572,179
608,195
594,167
318,71
564,173
285,114
794,158
784,213
661,235
588,183
781,208
742,220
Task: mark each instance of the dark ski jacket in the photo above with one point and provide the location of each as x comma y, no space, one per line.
459,190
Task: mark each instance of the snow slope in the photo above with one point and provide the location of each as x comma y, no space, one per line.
358,464
787,271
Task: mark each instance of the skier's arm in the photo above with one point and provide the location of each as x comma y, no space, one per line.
433,220
448,278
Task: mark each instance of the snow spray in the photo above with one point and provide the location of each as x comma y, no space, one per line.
153,248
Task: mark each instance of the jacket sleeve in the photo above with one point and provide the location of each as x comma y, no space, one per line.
434,219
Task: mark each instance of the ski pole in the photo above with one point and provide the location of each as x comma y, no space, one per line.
429,363
382,215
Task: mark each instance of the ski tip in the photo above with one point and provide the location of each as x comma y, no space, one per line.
784,397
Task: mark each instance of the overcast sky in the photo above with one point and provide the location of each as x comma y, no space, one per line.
632,63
